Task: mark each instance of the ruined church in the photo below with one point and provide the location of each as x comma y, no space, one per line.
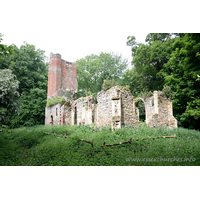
115,107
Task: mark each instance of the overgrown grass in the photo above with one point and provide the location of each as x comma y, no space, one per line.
55,100
31,146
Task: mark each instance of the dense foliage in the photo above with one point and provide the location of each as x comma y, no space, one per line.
94,69
148,60
171,60
55,100
107,84
4,49
8,95
29,67
32,111
181,73
32,147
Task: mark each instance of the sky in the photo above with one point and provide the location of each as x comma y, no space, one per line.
79,28
74,29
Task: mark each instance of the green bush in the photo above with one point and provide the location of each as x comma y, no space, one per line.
55,100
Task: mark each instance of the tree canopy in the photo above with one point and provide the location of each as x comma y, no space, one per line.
169,60
29,67
181,73
8,95
94,69
148,60
5,50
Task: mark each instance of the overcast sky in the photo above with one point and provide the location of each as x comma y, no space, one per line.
77,28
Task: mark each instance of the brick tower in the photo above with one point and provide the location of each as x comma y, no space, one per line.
62,80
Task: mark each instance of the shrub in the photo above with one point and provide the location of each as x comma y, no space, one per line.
55,100
168,91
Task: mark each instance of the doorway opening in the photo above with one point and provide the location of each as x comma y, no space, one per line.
141,109
51,120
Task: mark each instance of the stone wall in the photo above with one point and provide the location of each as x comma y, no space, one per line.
116,108
53,115
104,109
66,110
159,112
128,108
83,111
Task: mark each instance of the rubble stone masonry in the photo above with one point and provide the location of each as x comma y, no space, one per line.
116,106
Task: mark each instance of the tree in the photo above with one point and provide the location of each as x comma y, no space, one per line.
152,37
8,95
5,52
28,64
32,111
94,69
107,84
148,60
30,69
4,49
181,73
135,80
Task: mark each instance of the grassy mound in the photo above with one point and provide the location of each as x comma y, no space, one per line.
31,146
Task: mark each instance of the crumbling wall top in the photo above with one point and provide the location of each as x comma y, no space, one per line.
56,55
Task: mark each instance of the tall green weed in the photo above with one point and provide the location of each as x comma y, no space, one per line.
31,146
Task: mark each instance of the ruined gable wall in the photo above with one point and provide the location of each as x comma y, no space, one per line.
116,107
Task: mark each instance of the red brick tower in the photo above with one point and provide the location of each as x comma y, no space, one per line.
62,78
